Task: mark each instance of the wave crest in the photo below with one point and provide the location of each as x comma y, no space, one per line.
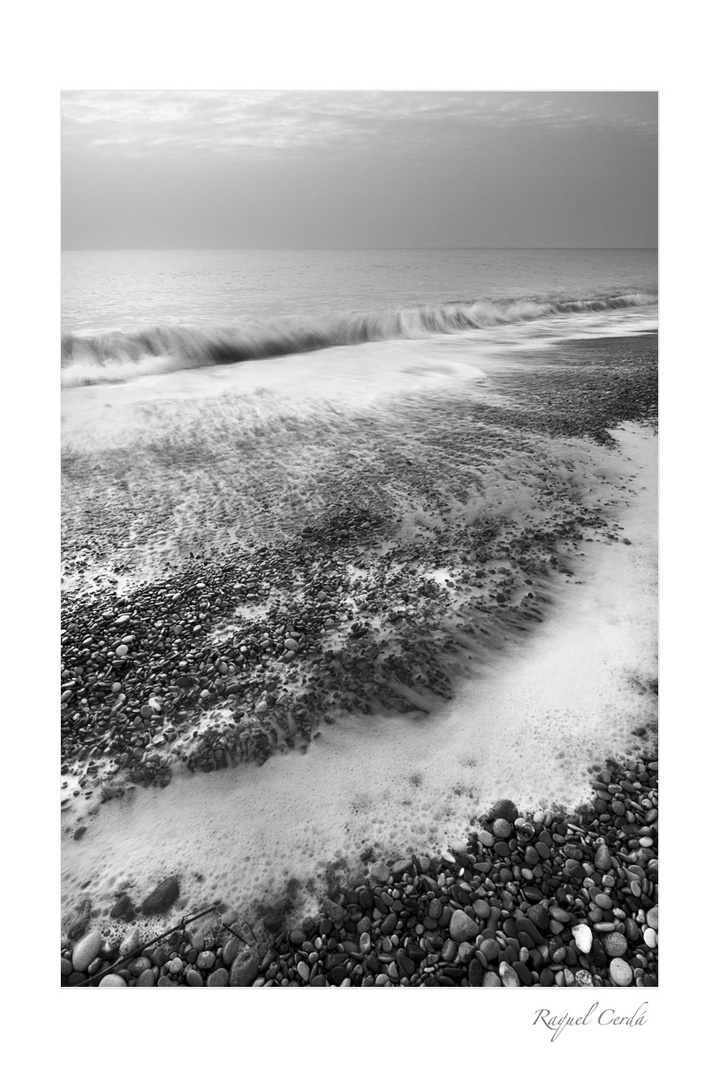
116,356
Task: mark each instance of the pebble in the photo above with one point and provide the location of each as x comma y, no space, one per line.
502,828
505,809
615,944
86,950
221,977
620,972
462,927
112,980
162,897
652,918
508,975
603,858
583,937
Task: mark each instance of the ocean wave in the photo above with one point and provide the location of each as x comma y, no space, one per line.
116,356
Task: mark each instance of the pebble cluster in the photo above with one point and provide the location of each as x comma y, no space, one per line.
545,900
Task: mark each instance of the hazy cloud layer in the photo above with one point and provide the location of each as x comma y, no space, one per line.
276,168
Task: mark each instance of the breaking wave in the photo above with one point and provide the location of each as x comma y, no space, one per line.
116,356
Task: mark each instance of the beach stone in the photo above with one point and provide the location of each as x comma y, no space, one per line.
130,943
620,972
583,937
505,809
652,918
481,908
162,897
486,839
476,973
650,937
206,960
380,872
245,968
146,978
603,859
112,980
615,944
538,915
221,977
138,965
583,978
193,977
462,927
80,832
86,950
508,975
502,828
491,979
230,950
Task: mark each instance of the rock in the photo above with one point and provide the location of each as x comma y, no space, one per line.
462,927
131,942
162,897
146,978
491,979
538,915
615,944
230,950
650,937
620,972
502,828
475,973
380,872
402,866
122,907
245,968
583,937
583,978
508,975
303,971
486,839
86,950
652,918
80,832
505,809
221,977
193,977
112,980
334,911
206,960
481,908
273,922
603,858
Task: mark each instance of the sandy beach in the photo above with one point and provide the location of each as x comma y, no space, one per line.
408,580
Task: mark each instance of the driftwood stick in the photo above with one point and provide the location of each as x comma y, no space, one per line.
180,926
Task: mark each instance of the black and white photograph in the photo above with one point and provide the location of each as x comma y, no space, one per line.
359,677
348,519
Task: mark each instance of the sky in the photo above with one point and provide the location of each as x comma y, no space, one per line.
335,169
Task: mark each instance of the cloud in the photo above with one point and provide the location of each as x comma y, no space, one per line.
228,122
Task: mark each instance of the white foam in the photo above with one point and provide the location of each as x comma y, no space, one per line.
529,730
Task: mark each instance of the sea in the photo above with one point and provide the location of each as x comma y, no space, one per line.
129,313
219,407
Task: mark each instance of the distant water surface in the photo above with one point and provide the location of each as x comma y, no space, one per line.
133,290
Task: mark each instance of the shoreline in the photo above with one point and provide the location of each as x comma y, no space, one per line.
554,901
501,610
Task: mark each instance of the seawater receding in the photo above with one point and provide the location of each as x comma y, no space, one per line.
312,538
394,783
